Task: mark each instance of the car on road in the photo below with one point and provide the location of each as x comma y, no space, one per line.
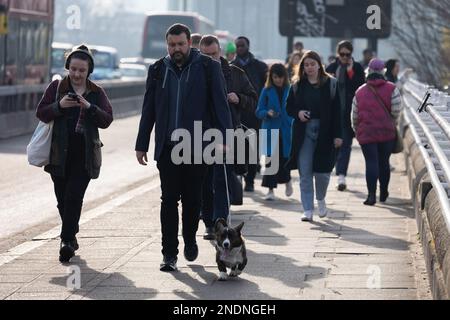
106,63
59,52
133,72
138,60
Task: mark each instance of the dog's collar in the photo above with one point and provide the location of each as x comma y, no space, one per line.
227,253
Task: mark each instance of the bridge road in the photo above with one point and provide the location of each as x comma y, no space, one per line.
28,203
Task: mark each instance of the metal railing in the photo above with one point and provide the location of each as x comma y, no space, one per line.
18,104
431,132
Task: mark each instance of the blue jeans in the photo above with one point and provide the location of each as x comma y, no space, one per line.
306,169
344,153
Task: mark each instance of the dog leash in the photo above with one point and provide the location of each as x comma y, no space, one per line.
228,193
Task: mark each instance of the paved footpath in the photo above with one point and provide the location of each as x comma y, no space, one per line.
357,252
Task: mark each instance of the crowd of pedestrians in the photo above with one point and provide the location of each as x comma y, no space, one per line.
309,115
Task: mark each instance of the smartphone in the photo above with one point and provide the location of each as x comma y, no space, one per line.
73,96
308,115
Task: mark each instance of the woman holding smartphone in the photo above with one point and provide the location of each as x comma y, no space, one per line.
314,104
78,108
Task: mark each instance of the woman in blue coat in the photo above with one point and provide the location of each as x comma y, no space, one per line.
272,111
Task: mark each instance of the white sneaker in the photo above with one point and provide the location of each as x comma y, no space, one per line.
289,189
308,216
270,196
342,185
323,211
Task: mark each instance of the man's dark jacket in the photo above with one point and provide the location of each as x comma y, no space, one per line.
256,71
351,85
203,99
238,82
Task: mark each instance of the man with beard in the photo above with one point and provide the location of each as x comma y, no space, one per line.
182,88
257,73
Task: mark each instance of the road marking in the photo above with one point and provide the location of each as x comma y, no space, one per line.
54,233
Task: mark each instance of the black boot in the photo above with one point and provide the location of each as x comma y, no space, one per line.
384,195
371,200
66,252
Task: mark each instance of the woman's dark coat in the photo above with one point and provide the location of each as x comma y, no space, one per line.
330,127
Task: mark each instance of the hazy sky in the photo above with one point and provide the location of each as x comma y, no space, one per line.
145,5
110,6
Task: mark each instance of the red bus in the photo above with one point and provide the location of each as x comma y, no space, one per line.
154,39
25,49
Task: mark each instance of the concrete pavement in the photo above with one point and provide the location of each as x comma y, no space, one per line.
357,252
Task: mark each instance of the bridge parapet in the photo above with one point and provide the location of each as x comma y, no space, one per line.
426,132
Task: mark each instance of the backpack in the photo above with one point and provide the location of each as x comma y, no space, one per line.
333,87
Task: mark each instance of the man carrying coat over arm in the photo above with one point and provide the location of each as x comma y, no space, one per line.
182,88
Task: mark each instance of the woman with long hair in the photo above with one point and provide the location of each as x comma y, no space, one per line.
272,111
294,62
314,103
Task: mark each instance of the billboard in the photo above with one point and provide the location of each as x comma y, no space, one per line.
336,18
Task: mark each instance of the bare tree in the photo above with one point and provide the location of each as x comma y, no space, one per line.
419,29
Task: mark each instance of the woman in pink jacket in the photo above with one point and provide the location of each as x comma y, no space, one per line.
376,108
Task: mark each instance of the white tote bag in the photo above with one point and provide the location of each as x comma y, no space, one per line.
38,150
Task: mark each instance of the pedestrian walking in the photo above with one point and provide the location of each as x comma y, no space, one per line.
294,62
298,47
241,97
368,55
182,88
230,52
375,112
350,76
393,73
314,103
196,37
272,111
257,73
78,108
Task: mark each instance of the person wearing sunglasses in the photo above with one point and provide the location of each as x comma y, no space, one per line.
350,75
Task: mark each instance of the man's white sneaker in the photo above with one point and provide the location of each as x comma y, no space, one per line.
270,196
289,189
323,211
308,216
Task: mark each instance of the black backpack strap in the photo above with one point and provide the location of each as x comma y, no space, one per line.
158,68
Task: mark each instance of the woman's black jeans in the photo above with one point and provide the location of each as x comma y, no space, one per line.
70,192
377,157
